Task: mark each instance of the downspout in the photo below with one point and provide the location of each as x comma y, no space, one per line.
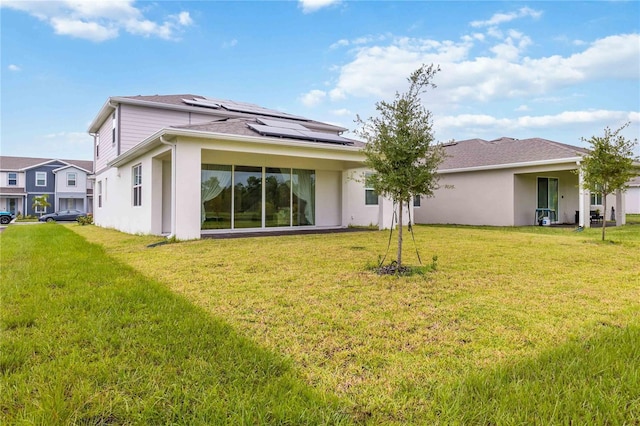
173,185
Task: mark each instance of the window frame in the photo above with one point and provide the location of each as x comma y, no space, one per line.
595,197
99,191
136,185
70,179
44,178
416,201
14,179
369,191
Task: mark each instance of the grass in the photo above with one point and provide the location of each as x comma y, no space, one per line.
516,326
88,340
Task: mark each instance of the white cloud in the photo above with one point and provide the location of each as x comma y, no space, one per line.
229,44
565,118
522,108
313,97
13,67
380,70
500,18
76,139
100,20
309,6
342,112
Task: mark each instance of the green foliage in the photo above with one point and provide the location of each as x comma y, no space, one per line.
40,202
609,166
399,143
399,146
85,220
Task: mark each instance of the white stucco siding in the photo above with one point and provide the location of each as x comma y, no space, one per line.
117,209
477,198
633,200
355,211
328,198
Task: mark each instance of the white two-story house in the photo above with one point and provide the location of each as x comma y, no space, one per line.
186,165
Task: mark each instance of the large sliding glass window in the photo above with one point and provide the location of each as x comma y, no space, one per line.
304,197
277,197
247,211
255,197
215,191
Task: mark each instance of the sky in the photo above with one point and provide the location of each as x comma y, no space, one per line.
560,70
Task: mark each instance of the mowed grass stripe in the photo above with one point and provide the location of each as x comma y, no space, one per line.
87,339
397,349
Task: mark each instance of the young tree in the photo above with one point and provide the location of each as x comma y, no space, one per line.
40,201
399,146
609,165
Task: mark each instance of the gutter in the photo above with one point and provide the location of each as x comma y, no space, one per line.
512,165
173,184
154,140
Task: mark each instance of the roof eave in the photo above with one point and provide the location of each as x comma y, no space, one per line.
513,165
153,141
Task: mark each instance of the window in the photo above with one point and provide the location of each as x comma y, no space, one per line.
71,179
99,190
41,178
256,197
40,209
596,199
97,145
137,185
370,195
416,201
12,178
113,129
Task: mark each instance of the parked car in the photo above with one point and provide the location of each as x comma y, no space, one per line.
62,215
6,217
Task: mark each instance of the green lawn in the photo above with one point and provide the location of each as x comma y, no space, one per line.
530,325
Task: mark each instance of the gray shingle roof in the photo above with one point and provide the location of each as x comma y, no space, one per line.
20,163
236,126
478,152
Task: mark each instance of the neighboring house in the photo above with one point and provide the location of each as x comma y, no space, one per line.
186,165
632,196
65,182
513,182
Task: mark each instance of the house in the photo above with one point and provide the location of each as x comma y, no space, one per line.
65,182
632,196
188,165
513,182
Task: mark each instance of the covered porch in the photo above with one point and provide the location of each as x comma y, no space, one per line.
555,197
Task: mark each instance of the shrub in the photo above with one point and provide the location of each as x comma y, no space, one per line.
85,220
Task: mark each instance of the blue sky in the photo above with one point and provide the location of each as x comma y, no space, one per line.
556,70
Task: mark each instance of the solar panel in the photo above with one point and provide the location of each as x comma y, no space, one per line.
306,135
201,102
276,131
327,137
281,124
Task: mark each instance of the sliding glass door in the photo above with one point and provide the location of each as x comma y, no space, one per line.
548,197
236,197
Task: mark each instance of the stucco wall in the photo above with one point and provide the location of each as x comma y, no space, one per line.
477,198
633,200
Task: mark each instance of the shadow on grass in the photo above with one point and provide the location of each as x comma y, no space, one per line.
86,339
596,381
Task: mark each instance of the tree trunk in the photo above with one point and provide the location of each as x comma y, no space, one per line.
604,214
399,258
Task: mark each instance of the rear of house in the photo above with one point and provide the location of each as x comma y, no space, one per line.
512,182
185,165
